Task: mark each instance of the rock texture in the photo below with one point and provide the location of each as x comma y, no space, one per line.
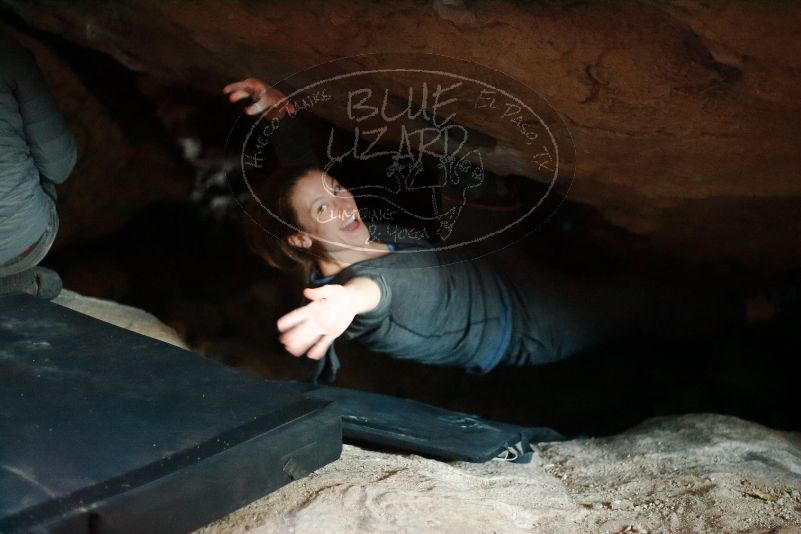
127,317
684,115
695,473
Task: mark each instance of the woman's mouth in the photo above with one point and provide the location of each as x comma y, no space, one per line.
352,224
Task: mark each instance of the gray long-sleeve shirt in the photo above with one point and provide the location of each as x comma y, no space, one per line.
35,145
436,307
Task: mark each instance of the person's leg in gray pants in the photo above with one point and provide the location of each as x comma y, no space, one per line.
22,273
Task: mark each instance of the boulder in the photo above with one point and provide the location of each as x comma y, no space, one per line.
127,317
684,116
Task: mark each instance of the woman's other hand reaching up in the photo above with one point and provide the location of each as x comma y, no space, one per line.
263,95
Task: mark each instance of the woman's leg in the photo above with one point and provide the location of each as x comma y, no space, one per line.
560,314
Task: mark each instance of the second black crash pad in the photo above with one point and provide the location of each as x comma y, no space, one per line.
106,430
412,426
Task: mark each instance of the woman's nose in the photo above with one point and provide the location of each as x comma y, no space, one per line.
344,207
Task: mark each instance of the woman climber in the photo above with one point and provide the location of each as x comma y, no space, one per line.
410,300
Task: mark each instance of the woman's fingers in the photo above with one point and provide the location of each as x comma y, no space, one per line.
232,87
249,85
293,318
239,95
322,292
236,85
300,349
314,326
258,107
299,333
319,348
298,340
248,88
314,293
264,95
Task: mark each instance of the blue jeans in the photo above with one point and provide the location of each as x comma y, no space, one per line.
556,315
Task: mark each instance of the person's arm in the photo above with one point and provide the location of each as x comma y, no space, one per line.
364,294
51,143
310,329
291,140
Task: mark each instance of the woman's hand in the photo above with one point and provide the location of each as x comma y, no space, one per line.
315,326
264,96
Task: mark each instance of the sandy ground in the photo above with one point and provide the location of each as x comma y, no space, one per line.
694,473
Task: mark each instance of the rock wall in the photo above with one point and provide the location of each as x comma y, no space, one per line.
127,317
685,116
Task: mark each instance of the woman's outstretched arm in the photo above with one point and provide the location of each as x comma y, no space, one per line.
310,329
291,140
263,95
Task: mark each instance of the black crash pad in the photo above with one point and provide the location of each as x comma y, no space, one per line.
412,426
105,430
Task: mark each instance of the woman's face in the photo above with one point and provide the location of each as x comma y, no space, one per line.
327,211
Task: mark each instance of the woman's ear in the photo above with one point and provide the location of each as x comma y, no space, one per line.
300,240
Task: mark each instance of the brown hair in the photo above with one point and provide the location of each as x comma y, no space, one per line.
267,231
